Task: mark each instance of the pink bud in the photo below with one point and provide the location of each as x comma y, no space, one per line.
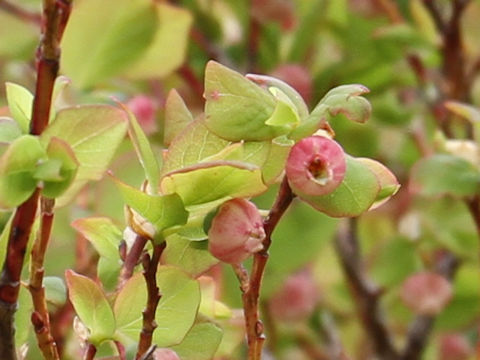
297,77
144,109
165,354
296,299
454,347
315,166
426,293
236,231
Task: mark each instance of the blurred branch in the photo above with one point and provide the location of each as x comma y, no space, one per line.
366,293
390,8
436,15
150,266
422,326
20,12
122,354
189,76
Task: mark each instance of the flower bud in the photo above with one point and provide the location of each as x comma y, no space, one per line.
144,110
426,293
315,166
454,347
297,298
165,354
236,231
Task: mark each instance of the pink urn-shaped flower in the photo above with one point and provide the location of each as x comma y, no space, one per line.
315,166
236,231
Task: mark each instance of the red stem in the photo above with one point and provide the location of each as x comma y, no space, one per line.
149,324
251,291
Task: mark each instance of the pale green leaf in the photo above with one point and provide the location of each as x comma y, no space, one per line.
191,256
94,133
163,211
213,182
20,102
168,48
9,130
192,145
144,152
236,108
55,290
59,152
201,342
103,37
91,307
102,234
177,116
17,166
175,313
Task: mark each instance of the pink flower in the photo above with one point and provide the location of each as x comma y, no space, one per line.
144,110
236,231
315,166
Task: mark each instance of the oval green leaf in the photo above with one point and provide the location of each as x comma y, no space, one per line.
91,307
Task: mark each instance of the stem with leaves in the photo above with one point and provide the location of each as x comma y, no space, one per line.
54,19
150,266
90,352
250,285
132,259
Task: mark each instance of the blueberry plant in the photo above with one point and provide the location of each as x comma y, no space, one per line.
175,185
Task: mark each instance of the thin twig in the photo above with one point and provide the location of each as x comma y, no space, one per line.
149,325
390,8
90,352
40,316
132,259
250,297
366,293
122,354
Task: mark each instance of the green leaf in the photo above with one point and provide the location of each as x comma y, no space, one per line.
23,324
104,37
20,102
192,145
345,99
395,262
163,211
91,307
59,152
175,313
144,152
214,182
201,342
94,133
17,166
355,195
22,45
465,304
177,116
102,234
388,182
292,94
108,271
236,108
168,48
9,130
445,174
191,256
55,289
